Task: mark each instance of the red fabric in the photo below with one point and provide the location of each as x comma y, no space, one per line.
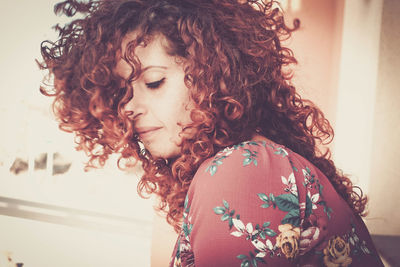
259,204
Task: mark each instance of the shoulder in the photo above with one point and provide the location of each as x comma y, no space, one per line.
245,155
240,175
229,200
257,199
255,160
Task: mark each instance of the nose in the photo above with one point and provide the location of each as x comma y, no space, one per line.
136,107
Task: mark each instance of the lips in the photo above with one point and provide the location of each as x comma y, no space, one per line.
146,132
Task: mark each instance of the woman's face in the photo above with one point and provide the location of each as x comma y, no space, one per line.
161,103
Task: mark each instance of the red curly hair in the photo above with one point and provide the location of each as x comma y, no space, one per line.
236,73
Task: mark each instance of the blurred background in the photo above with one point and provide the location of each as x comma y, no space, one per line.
52,213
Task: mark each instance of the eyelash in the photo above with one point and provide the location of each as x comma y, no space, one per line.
155,85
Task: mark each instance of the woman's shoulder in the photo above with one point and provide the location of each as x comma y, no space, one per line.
244,167
260,195
248,155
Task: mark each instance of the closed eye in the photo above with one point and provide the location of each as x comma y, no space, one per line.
156,84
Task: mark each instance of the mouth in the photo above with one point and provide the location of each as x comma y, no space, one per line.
146,132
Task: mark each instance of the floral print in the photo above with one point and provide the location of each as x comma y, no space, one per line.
288,240
337,253
268,206
184,254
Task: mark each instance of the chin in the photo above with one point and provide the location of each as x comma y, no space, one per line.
165,152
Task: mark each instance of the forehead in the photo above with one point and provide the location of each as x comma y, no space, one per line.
153,53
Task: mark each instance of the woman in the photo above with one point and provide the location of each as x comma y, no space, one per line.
198,92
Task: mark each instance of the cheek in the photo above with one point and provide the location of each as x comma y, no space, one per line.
178,121
181,109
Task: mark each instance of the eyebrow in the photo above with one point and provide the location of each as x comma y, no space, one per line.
121,74
153,66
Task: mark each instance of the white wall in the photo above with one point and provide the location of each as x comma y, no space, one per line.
27,129
357,88
384,186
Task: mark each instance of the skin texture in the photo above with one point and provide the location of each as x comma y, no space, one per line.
160,105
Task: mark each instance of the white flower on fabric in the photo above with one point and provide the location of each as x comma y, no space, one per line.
237,234
247,230
263,248
238,224
259,245
185,247
364,248
290,184
309,235
314,199
227,151
356,239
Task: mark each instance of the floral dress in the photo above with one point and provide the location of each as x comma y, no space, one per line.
260,204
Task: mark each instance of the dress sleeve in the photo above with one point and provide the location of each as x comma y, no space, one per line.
260,204
230,219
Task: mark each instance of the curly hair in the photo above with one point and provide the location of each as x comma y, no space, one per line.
237,75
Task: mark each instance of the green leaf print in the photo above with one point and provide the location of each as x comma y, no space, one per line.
270,232
262,235
266,224
292,164
320,189
328,212
219,210
226,205
186,207
281,151
253,261
218,160
247,154
185,229
263,197
287,202
250,157
245,263
225,217
239,145
308,206
212,169
214,164
230,222
254,143
250,260
247,161
271,197
226,214
292,217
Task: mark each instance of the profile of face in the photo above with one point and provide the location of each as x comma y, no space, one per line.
161,103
